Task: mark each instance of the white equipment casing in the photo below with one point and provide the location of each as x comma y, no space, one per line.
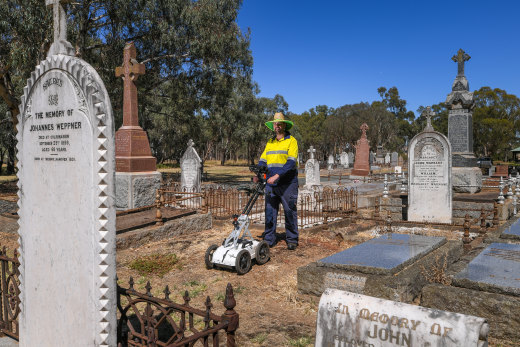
226,256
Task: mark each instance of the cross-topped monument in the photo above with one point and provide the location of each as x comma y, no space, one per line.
135,166
428,113
364,129
460,58
60,44
362,164
311,151
130,71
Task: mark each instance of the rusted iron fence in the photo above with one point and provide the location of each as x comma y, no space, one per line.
313,208
148,321
10,294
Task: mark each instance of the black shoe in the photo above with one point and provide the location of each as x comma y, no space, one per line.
292,246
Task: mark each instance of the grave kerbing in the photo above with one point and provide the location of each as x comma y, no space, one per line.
65,146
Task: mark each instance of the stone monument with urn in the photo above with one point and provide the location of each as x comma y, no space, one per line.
136,177
361,164
466,176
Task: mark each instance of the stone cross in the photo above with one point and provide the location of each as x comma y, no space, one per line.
428,113
364,129
311,150
130,71
460,58
60,44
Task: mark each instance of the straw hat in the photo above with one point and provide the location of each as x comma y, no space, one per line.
278,117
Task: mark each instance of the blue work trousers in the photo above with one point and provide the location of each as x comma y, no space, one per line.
288,195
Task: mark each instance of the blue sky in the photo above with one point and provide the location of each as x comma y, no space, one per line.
339,52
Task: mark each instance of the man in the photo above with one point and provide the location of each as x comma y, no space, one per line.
280,156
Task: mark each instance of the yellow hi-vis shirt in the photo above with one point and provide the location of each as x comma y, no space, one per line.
281,157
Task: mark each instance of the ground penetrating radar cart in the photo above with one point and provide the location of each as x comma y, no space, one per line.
240,248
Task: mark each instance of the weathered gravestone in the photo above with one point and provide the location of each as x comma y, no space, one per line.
330,162
191,164
343,159
429,176
495,269
387,159
361,164
466,176
394,161
66,202
136,177
350,319
351,158
312,171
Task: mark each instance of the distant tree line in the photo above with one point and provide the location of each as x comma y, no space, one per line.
198,83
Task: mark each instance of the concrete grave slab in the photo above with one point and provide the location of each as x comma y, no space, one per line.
512,232
386,254
495,269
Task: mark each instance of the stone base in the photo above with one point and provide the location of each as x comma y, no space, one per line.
500,310
403,286
463,160
136,189
360,172
466,179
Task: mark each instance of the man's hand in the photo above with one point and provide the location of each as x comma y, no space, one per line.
273,179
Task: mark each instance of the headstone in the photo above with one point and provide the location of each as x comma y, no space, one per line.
495,269
397,169
350,319
136,177
387,159
400,161
373,158
467,177
300,158
361,164
312,171
191,169
394,160
351,158
330,162
343,159
66,202
429,176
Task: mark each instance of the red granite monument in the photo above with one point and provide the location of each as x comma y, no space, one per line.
133,152
136,175
362,164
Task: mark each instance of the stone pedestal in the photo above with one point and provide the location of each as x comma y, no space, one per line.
133,152
466,179
136,189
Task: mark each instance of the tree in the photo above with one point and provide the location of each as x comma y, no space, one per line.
194,52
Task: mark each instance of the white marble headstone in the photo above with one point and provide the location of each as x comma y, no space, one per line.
190,170
429,178
387,158
343,158
350,319
66,199
330,162
312,174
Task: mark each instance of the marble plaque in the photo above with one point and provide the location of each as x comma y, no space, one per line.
191,164
385,254
341,281
350,319
496,268
429,179
460,131
66,207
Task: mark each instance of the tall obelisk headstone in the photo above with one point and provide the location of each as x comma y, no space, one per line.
362,164
136,177
429,176
467,177
66,202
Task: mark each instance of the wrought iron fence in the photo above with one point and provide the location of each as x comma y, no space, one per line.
10,294
148,321
313,208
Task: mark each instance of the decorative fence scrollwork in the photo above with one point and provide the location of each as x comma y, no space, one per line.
145,320
10,298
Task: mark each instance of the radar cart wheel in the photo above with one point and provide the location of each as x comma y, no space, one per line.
208,257
262,253
243,262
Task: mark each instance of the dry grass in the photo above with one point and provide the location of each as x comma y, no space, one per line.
437,273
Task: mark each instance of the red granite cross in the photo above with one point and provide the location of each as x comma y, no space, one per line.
129,72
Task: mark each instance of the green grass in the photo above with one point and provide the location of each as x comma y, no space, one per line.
194,288
260,338
154,264
303,341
